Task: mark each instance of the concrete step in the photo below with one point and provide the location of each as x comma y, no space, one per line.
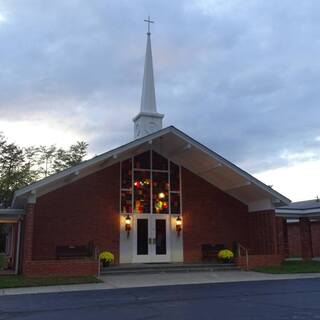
167,267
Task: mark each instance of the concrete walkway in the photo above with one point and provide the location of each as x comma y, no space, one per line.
160,279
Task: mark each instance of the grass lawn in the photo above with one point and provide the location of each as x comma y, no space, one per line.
293,267
13,281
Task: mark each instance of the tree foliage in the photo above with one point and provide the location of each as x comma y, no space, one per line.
21,166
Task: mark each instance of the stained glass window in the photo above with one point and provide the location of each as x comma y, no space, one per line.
126,201
142,161
126,174
159,162
141,187
160,196
153,191
174,177
175,202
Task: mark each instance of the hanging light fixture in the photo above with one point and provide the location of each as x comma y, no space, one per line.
178,225
128,225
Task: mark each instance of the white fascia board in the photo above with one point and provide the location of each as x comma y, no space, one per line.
232,166
142,140
295,212
11,211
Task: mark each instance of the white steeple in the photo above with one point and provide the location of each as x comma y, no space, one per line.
148,119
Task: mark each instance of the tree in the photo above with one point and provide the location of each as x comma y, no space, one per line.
15,170
69,158
22,166
46,157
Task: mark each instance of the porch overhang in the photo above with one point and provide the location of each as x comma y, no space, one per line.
11,215
303,209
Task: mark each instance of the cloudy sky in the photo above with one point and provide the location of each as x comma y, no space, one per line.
242,77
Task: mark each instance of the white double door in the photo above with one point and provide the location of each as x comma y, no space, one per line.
151,238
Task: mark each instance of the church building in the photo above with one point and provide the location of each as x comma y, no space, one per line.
161,198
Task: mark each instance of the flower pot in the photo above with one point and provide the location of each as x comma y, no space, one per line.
105,263
227,260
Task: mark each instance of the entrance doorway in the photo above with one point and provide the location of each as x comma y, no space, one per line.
150,195
151,238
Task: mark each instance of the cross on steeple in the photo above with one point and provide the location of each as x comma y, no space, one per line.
148,120
148,21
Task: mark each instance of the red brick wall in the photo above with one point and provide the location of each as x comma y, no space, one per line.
45,268
315,230
266,233
210,216
82,211
295,240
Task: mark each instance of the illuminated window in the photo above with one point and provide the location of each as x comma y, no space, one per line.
151,186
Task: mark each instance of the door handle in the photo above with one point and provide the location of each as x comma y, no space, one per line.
154,240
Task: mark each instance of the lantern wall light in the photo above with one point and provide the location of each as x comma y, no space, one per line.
178,225
128,225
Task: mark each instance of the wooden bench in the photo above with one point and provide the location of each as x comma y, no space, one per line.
79,251
210,252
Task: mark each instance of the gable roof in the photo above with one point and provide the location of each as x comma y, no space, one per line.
178,147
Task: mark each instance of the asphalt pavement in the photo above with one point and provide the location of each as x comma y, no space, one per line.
281,299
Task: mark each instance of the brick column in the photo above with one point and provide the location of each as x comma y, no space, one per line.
28,235
285,238
306,239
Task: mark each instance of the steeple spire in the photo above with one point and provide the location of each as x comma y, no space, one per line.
148,97
148,120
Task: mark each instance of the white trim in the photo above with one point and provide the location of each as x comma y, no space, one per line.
298,211
138,142
232,166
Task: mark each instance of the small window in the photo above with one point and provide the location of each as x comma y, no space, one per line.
126,201
142,161
159,162
174,177
175,203
126,174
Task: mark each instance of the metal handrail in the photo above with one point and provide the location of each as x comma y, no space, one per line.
240,246
96,257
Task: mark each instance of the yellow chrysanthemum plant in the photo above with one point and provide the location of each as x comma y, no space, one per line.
106,257
225,255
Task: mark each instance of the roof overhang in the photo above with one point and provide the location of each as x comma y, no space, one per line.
180,148
298,213
11,215
300,209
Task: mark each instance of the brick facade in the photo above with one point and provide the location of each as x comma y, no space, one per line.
294,240
82,211
212,216
315,230
266,233
74,267
88,210
209,216
306,239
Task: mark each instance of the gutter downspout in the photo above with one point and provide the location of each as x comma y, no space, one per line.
16,271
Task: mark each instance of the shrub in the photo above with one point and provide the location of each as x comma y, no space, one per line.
106,256
225,255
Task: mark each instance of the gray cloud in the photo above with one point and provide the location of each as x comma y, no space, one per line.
243,78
